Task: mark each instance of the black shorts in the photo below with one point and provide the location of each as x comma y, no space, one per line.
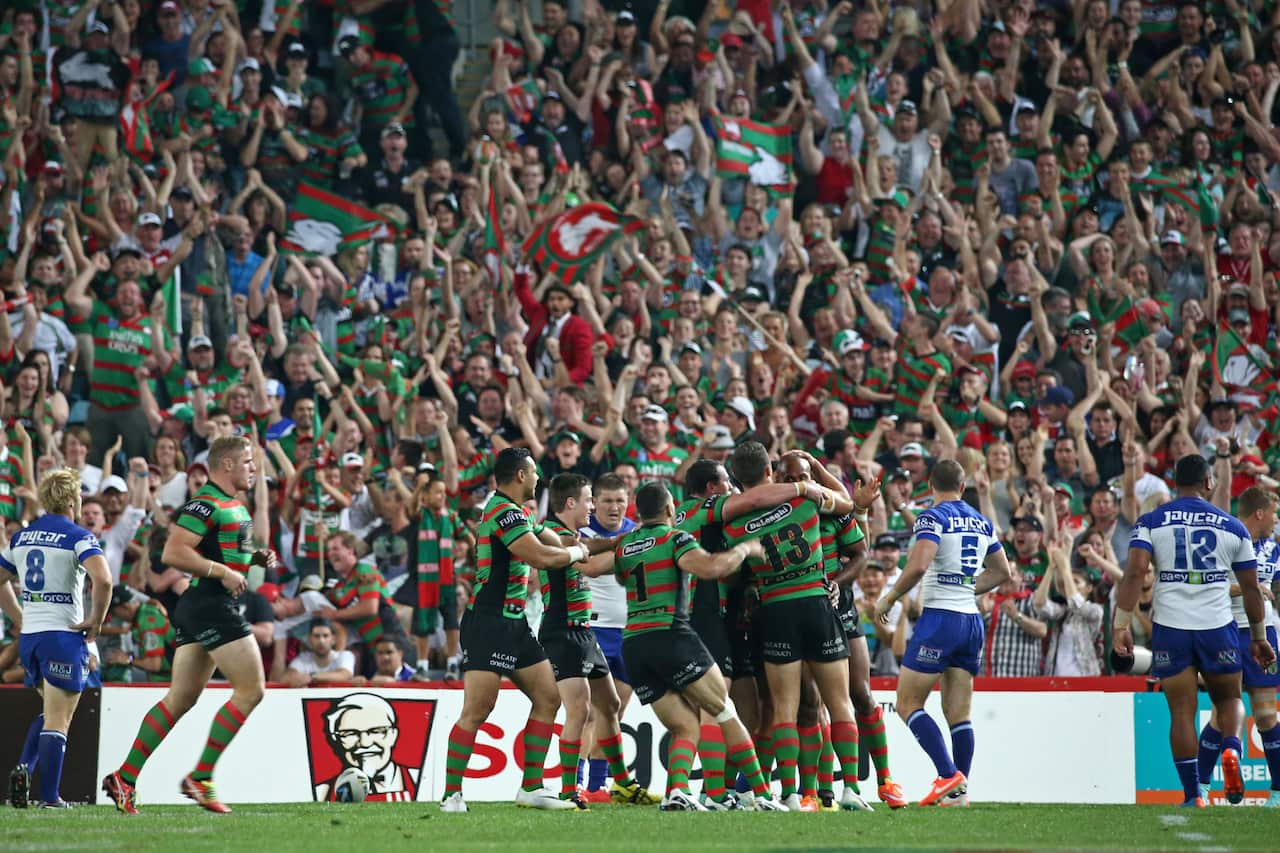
662,661
573,652
207,614
744,658
847,613
448,618
493,643
709,624
803,629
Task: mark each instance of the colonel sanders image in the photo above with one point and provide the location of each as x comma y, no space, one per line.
361,730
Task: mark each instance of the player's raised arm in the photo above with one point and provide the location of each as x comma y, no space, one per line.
768,495
708,566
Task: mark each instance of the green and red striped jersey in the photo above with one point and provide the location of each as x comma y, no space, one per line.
154,636
224,526
364,582
120,347
914,373
647,562
655,465
502,581
703,518
837,533
793,564
566,597
325,151
381,87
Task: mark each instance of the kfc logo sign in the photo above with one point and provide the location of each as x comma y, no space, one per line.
386,739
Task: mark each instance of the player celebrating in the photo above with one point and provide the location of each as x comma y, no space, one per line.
712,500
670,667
841,537
582,675
800,626
1257,508
952,543
1193,547
50,558
496,640
212,540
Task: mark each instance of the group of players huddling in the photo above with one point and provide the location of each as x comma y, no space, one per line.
782,637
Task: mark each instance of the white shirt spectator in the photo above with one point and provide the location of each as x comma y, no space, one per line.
307,664
116,538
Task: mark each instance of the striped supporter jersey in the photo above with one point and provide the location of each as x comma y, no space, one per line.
1194,549
646,560
224,526
964,538
502,581
793,563
48,558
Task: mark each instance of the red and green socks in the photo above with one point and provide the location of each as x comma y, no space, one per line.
226,723
844,740
810,749
712,752
535,741
679,764
569,750
461,743
871,729
612,748
826,763
786,751
742,757
155,726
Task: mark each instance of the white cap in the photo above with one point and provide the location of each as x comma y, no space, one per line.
352,460
912,448
654,412
116,482
744,407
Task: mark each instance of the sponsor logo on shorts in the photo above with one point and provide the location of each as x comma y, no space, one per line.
772,517
927,654
58,669
637,547
779,647
834,646
1228,656
502,659
1162,658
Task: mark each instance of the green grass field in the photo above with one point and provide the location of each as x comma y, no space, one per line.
385,827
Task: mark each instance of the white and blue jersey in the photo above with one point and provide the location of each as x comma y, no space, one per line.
48,558
608,597
1267,552
1195,549
965,538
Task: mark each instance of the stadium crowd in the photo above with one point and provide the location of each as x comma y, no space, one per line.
1033,238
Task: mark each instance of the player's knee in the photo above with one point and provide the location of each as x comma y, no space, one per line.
248,698
1264,717
545,703
179,703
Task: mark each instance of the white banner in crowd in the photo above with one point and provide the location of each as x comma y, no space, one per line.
298,741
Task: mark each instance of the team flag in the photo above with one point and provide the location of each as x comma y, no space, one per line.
755,150
321,223
577,237
495,245
1236,368
135,125
525,97
172,294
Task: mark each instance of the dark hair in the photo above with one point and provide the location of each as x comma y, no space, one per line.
388,639
510,462
1191,470
319,622
411,450
563,487
610,483
700,475
947,476
650,500
749,463
833,442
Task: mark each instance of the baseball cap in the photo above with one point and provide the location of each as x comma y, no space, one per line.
149,219
1016,406
625,17
198,341
848,341
717,437
654,412
565,435
296,48
99,26
731,40
275,388
1031,520
886,540
551,95
52,167
352,460
1066,489
1024,370
183,192
168,6
1150,309
125,249
200,65
1059,395
906,105
347,45
691,346
250,64
1080,320
120,594
898,474
1172,236
753,293
310,583
1238,315
744,407
912,448
114,483
1238,288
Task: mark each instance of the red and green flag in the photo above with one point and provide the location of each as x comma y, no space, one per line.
135,125
1235,367
575,238
495,244
321,223
525,97
1196,199
755,150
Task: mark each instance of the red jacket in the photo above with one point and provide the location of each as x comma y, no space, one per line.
576,336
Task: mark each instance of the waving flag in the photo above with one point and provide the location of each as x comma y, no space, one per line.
577,237
755,150
321,223
1238,369
495,245
135,125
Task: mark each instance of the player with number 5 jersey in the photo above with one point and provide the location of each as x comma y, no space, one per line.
955,556
50,558
1194,550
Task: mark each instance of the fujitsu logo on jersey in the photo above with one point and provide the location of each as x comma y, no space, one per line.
510,517
638,547
773,517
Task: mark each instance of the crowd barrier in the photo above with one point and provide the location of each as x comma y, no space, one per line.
1102,740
